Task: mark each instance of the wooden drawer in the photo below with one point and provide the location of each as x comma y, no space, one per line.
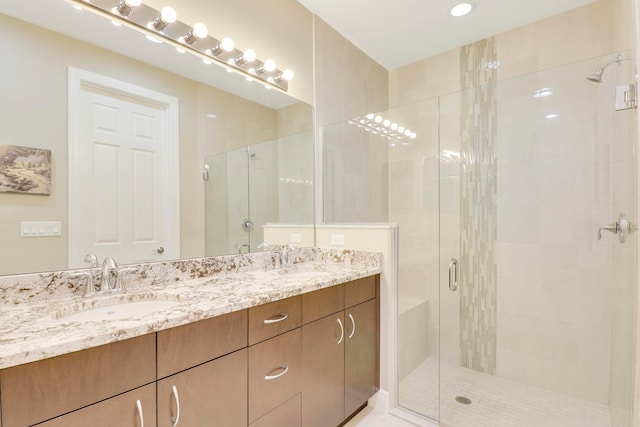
319,304
275,318
118,411
285,415
359,291
212,394
274,373
38,391
186,346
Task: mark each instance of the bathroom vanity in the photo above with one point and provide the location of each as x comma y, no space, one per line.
298,347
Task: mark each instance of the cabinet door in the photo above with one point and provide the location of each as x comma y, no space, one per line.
212,394
361,356
323,372
285,415
121,411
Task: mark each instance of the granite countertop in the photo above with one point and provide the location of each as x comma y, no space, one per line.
37,330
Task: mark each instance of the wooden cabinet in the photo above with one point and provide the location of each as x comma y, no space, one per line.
323,371
311,360
340,356
285,415
186,346
272,319
215,391
361,330
274,373
131,409
38,391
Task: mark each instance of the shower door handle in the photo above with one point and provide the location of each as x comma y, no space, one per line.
453,275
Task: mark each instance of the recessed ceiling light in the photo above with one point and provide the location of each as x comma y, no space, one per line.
552,116
462,9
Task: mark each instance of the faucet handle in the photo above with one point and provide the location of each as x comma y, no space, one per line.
120,286
89,287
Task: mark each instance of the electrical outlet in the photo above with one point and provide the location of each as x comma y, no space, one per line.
337,239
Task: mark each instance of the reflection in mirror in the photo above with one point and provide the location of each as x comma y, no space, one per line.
266,184
35,106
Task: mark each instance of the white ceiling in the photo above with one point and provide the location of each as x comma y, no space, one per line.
401,32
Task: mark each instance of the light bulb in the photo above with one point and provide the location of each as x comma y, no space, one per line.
167,16
407,132
249,55
287,75
370,116
413,135
386,123
269,65
401,129
125,7
227,44
394,126
200,30
378,119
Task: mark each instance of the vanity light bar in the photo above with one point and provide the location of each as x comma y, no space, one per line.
154,24
378,125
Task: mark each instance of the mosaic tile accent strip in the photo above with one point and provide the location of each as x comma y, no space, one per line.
478,207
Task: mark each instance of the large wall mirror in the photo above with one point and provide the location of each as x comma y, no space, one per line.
240,172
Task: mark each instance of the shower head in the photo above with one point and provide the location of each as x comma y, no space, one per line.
597,75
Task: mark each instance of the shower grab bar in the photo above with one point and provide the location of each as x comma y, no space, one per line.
453,275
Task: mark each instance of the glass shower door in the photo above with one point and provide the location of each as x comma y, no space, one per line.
536,321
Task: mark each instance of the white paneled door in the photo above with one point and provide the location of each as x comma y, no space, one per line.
121,207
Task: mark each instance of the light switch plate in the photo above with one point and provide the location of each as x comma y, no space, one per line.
40,228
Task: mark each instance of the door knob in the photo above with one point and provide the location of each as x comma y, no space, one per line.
160,250
622,228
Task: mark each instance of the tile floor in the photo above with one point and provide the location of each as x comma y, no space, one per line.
495,401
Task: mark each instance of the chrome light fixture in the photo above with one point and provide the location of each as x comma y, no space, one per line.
163,26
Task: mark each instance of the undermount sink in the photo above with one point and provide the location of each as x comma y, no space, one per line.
117,311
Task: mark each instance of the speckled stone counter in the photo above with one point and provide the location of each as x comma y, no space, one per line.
35,309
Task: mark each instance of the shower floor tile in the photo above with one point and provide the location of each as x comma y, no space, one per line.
495,402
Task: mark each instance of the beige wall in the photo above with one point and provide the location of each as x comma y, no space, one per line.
34,105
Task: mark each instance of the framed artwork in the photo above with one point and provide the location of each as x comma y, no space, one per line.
25,170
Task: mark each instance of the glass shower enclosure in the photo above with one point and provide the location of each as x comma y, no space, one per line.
515,306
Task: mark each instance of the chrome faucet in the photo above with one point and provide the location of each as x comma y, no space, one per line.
108,265
244,245
92,259
286,254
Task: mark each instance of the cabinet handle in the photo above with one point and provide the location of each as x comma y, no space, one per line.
139,406
176,419
277,318
341,331
353,322
273,377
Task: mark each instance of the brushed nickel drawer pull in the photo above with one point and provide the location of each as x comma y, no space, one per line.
341,331
273,377
277,318
353,322
139,406
175,420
